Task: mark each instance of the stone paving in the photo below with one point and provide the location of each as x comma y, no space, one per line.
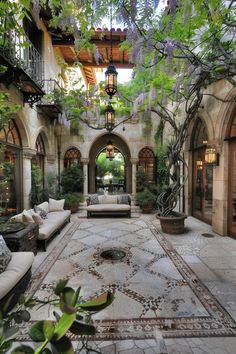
212,260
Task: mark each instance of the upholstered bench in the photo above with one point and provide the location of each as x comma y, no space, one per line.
99,205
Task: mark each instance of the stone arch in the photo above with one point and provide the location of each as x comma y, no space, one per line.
44,138
22,131
72,154
98,145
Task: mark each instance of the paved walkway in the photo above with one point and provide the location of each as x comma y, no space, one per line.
212,259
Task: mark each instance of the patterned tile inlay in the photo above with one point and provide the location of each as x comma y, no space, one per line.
155,289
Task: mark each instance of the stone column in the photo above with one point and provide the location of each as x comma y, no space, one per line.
85,171
134,162
28,153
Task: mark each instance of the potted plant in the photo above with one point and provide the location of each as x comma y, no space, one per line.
145,199
172,222
72,201
72,179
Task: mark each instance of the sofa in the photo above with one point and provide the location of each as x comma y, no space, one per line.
50,216
108,205
15,274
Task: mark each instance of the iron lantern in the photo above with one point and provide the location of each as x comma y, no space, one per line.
109,118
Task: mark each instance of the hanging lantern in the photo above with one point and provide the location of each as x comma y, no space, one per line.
110,152
109,118
111,80
211,156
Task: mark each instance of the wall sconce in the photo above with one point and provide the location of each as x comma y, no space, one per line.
212,156
199,164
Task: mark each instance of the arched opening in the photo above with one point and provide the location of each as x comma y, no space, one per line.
202,186
231,136
72,157
39,159
120,146
110,174
10,176
147,161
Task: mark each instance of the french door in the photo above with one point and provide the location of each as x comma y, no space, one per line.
232,189
202,187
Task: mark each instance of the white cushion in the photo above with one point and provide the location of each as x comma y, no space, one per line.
37,219
56,205
18,266
44,206
107,199
27,217
108,207
17,218
55,220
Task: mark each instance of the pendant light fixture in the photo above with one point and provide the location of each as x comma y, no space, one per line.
110,152
109,118
111,73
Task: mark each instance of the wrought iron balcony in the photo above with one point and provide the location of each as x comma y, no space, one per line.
49,104
24,66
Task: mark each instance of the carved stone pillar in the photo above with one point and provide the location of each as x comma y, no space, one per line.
85,171
134,162
27,183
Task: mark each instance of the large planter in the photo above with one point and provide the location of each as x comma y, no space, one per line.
147,209
172,225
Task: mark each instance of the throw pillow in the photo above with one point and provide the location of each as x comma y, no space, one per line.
44,206
17,218
37,219
56,205
5,255
94,199
123,199
41,212
27,217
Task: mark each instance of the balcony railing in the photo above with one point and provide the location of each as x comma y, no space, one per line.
18,51
49,104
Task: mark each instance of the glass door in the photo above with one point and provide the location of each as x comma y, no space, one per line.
202,186
232,189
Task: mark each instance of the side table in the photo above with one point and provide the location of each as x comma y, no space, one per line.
23,240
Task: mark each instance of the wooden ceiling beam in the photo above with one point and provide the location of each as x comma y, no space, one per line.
118,65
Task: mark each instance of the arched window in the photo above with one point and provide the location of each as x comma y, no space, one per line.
10,186
40,154
147,161
199,137
72,157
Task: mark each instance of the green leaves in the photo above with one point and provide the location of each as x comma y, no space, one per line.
98,303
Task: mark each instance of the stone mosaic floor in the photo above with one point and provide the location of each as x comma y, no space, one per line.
161,285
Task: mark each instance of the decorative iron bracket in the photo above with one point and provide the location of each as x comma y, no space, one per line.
31,98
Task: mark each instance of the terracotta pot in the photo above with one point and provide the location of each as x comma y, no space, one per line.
147,209
172,225
73,209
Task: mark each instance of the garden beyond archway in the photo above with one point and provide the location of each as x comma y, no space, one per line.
121,146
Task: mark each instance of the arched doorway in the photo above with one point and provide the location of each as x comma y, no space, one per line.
10,176
231,136
100,145
39,158
202,175
110,171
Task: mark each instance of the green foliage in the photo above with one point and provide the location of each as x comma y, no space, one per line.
162,171
142,180
74,318
145,197
115,167
72,199
38,194
72,179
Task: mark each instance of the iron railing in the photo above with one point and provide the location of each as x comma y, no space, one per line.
18,51
52,91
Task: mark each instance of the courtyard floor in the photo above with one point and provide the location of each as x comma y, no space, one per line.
173,294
